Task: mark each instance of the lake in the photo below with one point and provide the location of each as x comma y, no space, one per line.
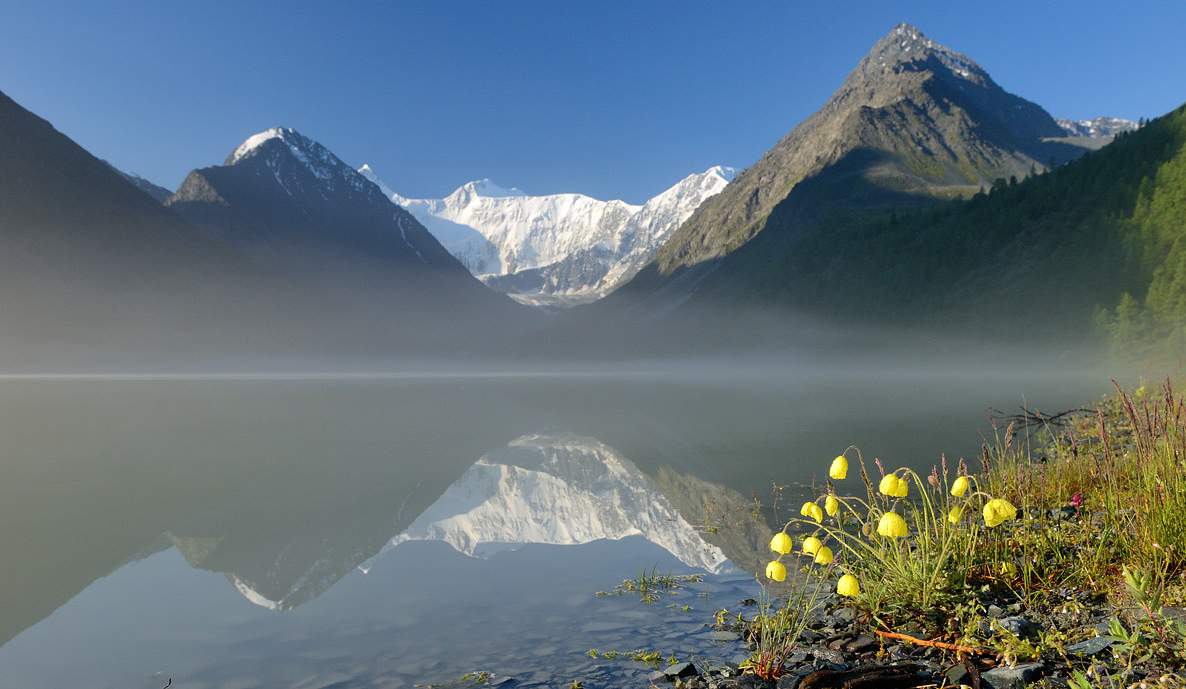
317,531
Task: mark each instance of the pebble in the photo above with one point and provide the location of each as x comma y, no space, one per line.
1015,677
679,670
1018,626
1090,647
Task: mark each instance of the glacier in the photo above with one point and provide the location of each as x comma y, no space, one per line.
556,248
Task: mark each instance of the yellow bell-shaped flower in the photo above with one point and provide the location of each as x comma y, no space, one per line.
781,543
832,505
812,511
776,571
892,526
823,556
839,468
959,486
954,514
998,510
811,544
848,586
894,486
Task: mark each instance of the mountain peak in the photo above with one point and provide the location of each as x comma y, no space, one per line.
723,171
486,187
906,43
1097,127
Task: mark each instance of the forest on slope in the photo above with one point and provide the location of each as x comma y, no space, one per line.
1099,242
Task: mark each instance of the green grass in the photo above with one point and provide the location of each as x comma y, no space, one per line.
1100,510
651,585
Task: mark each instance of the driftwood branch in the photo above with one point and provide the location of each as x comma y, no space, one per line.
933,644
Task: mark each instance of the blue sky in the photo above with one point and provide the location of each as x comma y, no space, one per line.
614,98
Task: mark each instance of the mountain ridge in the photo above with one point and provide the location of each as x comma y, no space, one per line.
557,245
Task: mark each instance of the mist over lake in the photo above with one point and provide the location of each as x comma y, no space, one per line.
356,529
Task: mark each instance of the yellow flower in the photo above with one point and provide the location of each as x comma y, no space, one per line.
812,510
823,556
998,510
848,586
1008,569
892,526
811,544
831,505
781,543
959,486
954,515
776,571
893,486
839,468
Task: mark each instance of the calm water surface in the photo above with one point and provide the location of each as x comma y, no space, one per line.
316,533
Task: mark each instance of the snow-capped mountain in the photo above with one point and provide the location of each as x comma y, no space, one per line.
561,490
282,192
568,245
1097,128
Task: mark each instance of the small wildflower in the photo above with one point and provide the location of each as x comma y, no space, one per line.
776,571
823,556
998,510
811,544
1077,501
959,486
1008,569
848,586
839,469
832,505
954,515
813,511
781,543
892,526
889,483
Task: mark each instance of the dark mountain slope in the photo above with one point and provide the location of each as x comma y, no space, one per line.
1103,238
293,206
89,260
157,192
914,122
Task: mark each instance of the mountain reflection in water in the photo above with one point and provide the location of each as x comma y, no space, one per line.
394,523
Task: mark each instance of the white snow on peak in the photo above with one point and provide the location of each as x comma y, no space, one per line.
1098,127
256,140
581,247
368,173
485,187
255,597
559,490
332,174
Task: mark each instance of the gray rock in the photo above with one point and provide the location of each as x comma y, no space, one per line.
657,676
679,670
861,644
1015,677
996,611
843,615
721,635
1090,647
958,674
827,655
1018,626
